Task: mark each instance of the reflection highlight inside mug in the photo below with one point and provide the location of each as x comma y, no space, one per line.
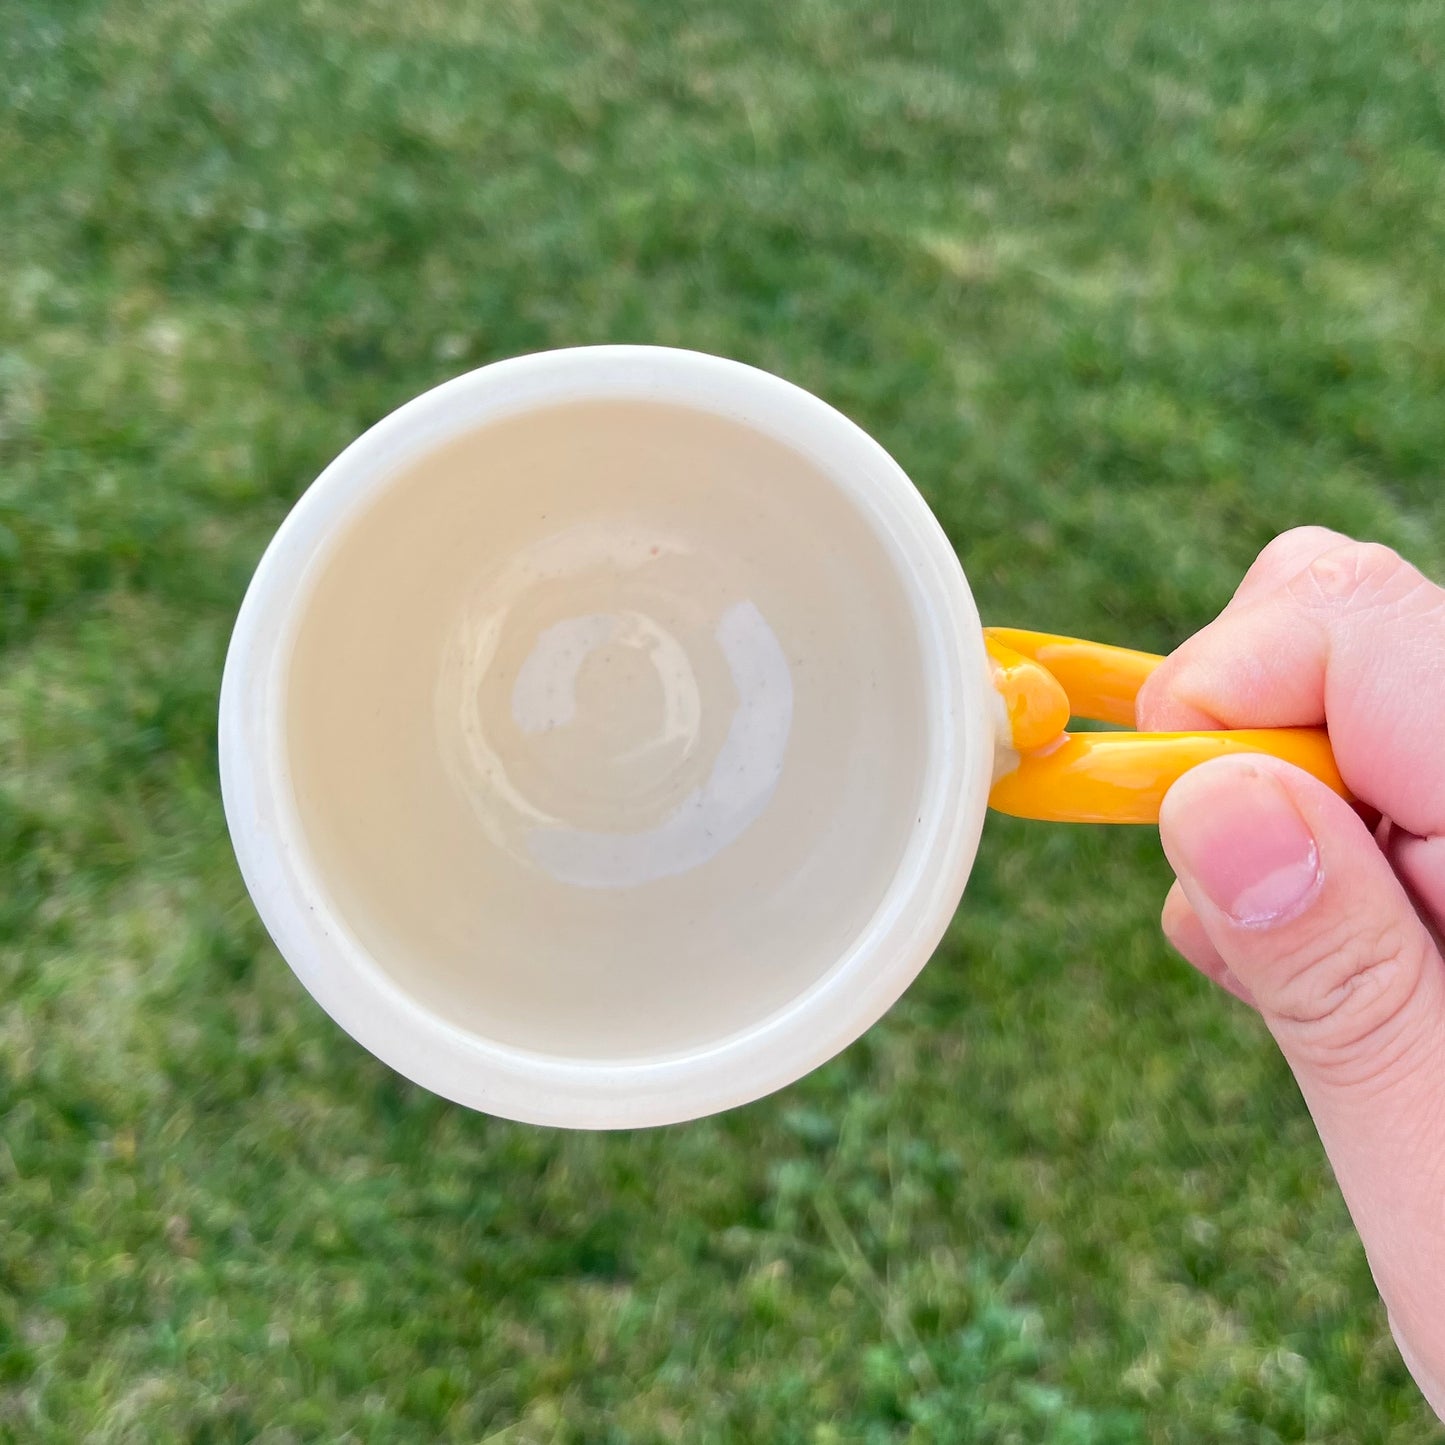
606,728
639,729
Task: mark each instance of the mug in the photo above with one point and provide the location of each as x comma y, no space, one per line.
606,736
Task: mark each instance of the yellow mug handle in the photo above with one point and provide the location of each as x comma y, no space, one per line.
1106,777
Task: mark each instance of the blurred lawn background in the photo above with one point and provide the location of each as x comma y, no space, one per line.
1127,288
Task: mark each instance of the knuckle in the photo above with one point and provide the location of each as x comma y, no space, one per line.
1284,558
1289,546
1358,574
1345,1005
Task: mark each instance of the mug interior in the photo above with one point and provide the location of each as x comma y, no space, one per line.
608,727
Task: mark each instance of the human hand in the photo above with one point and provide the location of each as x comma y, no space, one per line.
1287,898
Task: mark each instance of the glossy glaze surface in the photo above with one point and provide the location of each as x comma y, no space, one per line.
607,728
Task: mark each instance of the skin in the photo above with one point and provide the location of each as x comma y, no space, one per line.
1325,916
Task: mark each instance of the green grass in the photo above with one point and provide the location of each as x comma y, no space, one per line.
1126,287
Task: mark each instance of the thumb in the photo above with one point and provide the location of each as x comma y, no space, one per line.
1305,910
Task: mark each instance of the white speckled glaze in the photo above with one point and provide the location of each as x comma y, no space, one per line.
725,1057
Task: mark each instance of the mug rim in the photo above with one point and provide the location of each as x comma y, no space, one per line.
869,975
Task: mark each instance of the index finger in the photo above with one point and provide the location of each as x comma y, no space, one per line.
1354,640
1279,562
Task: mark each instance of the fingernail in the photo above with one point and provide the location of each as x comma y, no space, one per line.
1239,836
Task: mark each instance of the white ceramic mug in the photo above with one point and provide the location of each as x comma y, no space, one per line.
606,736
